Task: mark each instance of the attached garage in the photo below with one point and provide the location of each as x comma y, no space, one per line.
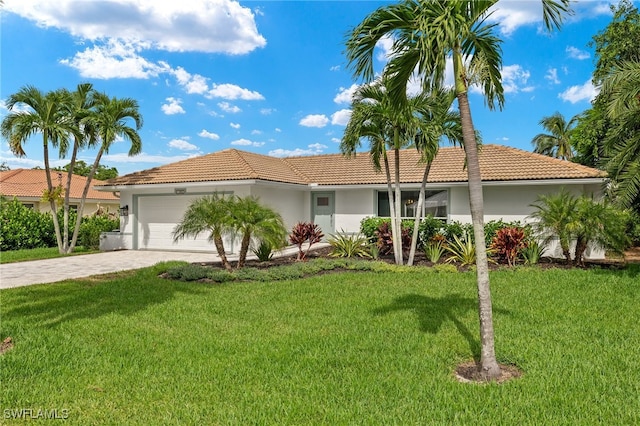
157,217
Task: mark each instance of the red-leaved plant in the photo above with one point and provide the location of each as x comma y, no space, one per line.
385,239
305,232
508,243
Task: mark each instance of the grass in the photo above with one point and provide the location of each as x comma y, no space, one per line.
38,254
347,348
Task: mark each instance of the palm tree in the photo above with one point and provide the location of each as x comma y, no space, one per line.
597,223
556,143
109,119
387,126
553,217
211,214
252,220
622,87
81,102
48,114
426,34
442,123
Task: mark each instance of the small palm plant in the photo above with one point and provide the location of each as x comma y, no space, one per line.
532,253
434,250
349,245
462,250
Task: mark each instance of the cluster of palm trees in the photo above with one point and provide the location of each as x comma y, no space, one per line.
76,120
222,215
426,35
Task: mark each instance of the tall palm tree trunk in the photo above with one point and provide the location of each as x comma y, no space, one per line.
418,216
244,249
488,363
85,191
217,241
397,236
67,193
52,202
392,210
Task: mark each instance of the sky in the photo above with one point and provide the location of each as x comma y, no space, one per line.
269,77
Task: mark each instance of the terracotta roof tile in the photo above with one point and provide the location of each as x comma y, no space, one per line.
33,182
497,163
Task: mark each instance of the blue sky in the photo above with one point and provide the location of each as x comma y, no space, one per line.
262,76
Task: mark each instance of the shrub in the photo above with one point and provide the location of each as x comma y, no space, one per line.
92,226
508,243
445,268
24,228
462,250
345,245
434,250
264,251
385,238
532,252
457,229
369,226
305,232
428,228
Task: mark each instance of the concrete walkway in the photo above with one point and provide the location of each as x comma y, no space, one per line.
63,268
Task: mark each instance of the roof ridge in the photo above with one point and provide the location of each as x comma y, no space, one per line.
240,156
9,174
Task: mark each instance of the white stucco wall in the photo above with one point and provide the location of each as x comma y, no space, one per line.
289,202
352,205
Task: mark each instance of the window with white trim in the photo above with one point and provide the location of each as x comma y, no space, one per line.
435,203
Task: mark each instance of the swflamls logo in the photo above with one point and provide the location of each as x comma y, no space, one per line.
30,413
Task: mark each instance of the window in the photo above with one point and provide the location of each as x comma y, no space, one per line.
29,205
435,203
322,201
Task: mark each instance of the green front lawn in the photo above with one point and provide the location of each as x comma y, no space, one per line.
11,256
346,348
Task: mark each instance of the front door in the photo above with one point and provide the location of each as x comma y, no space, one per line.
323,209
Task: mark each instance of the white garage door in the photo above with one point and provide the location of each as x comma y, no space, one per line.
158,216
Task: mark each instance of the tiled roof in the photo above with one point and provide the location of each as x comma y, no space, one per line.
497,163
33,182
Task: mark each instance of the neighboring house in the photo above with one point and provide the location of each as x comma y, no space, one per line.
336,192
28,186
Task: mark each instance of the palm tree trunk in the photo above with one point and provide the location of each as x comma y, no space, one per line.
67,194
397,236
488,363
244,249
416,223
217,240
85,191
581,247
392,210
52,202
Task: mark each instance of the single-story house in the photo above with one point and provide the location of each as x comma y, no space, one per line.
334,191
29,185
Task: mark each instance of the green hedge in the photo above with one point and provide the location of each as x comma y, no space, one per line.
24,228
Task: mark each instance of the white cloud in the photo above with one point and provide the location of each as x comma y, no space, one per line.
246,142
191,83
227,107
346,94
575,94
514,79
314,120
206,134
256,132
576,53
267,111
335,140
232,92
173,107
341,118
335,68
385,44
115,59
145,158
182,145
552,76
234,125
313,149
215,26
277,129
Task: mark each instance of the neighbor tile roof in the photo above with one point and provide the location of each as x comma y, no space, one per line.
33,182
497,163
